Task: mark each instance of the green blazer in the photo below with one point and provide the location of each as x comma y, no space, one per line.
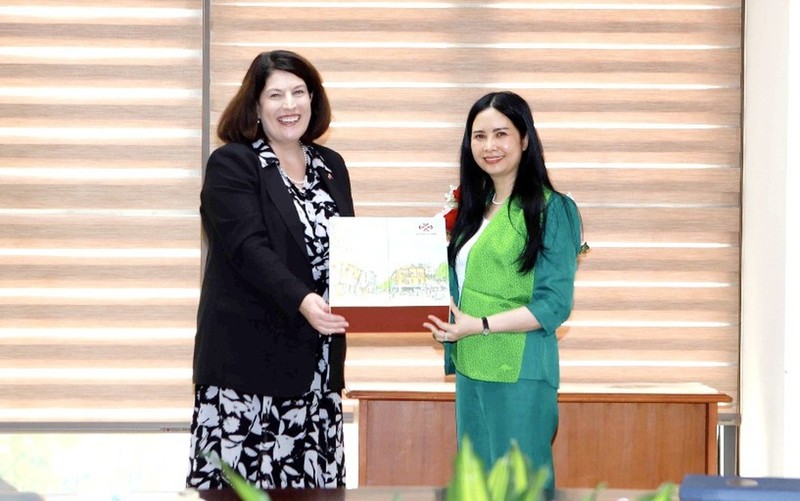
552,298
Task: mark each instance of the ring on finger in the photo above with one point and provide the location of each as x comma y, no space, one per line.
445,335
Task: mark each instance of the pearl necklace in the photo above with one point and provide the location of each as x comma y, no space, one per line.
299,184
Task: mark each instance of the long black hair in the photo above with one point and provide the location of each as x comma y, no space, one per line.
529,185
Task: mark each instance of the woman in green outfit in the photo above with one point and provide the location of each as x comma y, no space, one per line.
513,256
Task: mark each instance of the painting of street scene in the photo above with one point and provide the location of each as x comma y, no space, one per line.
392,261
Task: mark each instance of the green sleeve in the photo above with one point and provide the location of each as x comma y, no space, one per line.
554,273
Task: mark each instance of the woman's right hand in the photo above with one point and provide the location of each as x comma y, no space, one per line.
318,313
463,325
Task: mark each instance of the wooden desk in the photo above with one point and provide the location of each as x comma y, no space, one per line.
628,436
361,494
400,493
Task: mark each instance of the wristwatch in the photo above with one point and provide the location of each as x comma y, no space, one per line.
485,330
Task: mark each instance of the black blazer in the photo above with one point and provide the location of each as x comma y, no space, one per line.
251,336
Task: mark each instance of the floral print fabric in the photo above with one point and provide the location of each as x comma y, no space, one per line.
272,442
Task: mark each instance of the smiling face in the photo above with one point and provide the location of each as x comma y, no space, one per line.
497,145
284,108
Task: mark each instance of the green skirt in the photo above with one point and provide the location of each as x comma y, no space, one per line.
494,414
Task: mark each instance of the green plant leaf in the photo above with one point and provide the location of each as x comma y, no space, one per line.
665,492
469,476
244,489
536,483
593,495
513,478
527,484
520,468
500,481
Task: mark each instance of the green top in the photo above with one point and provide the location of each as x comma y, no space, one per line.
493,284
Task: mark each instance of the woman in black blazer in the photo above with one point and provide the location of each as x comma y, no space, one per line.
269,354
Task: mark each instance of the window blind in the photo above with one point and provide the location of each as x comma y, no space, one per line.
638,107
100,162
101,146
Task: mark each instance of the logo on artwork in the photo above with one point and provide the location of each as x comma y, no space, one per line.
425,227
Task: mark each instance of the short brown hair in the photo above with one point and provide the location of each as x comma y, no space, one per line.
239,122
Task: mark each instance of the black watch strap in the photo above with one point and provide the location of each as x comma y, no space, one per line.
486,330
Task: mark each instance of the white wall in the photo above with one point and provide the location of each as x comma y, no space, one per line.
770,386
791,397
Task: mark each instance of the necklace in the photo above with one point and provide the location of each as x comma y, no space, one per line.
299,184
494,200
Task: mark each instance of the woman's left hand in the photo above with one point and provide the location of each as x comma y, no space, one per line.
463,325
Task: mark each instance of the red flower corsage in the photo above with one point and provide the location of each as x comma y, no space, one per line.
452,200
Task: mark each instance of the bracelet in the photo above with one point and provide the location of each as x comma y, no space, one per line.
486,330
